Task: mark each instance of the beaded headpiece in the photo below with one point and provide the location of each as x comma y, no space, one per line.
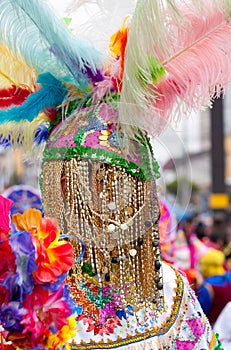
106,200
95,111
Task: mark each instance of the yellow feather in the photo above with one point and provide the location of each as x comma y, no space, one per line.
14,70
22,133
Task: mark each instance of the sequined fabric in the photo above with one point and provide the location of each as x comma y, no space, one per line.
181,325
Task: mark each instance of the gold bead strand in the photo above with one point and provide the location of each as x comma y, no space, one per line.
140,240
134,229
158,283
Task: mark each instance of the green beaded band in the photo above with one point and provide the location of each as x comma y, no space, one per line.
143,171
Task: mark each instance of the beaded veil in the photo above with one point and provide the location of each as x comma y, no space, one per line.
94,110
106,202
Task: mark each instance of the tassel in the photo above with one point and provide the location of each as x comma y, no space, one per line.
175,63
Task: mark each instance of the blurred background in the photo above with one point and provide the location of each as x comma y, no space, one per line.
194,157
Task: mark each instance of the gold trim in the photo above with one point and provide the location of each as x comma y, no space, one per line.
213,342
160,330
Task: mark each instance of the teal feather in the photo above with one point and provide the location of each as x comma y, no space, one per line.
44,41
51,95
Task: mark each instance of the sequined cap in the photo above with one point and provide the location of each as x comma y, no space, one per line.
92,133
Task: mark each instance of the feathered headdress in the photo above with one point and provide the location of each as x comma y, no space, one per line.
36,61
94,108
178,61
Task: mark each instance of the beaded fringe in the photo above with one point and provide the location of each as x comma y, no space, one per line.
115,216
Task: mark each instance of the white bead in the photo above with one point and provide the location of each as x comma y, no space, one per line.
111,228
115,235
112,206
124,227
133,252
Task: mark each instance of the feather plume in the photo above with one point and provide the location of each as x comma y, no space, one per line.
51,95
97,20
13,96
14,70
24,134
176,62
44,41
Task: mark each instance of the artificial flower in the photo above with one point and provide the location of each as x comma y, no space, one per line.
5,205
28,220
7,258
63,335
23,248
53,257
19,340
4,295
35,307
45,309
11,316
7,268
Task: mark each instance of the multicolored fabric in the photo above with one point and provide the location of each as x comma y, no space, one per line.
214,294
92,133
145,71
180,325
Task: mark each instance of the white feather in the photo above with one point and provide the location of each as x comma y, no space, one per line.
97,20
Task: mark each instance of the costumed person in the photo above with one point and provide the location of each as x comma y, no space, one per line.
167,230
215,290
188,249
222,326
96,113
227,252
223,322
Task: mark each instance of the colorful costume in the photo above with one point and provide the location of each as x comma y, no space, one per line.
215,292
222,326
96,112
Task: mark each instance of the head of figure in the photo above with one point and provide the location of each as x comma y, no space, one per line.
105,200
212,263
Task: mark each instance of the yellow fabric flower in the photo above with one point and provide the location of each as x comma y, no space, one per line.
62,337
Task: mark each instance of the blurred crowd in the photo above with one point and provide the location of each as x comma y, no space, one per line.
203,252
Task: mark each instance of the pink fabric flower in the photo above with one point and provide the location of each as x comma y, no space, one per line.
44,310
5,205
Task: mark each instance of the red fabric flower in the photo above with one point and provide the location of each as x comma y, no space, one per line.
7,258
19,340
53,257
107,328
44,310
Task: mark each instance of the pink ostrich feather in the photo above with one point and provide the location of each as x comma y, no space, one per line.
202,68
193,45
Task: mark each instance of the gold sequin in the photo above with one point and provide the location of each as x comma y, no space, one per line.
103,137
105,132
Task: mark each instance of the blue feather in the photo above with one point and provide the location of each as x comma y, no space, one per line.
4,142
39,137
51,95
45,42
41,134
